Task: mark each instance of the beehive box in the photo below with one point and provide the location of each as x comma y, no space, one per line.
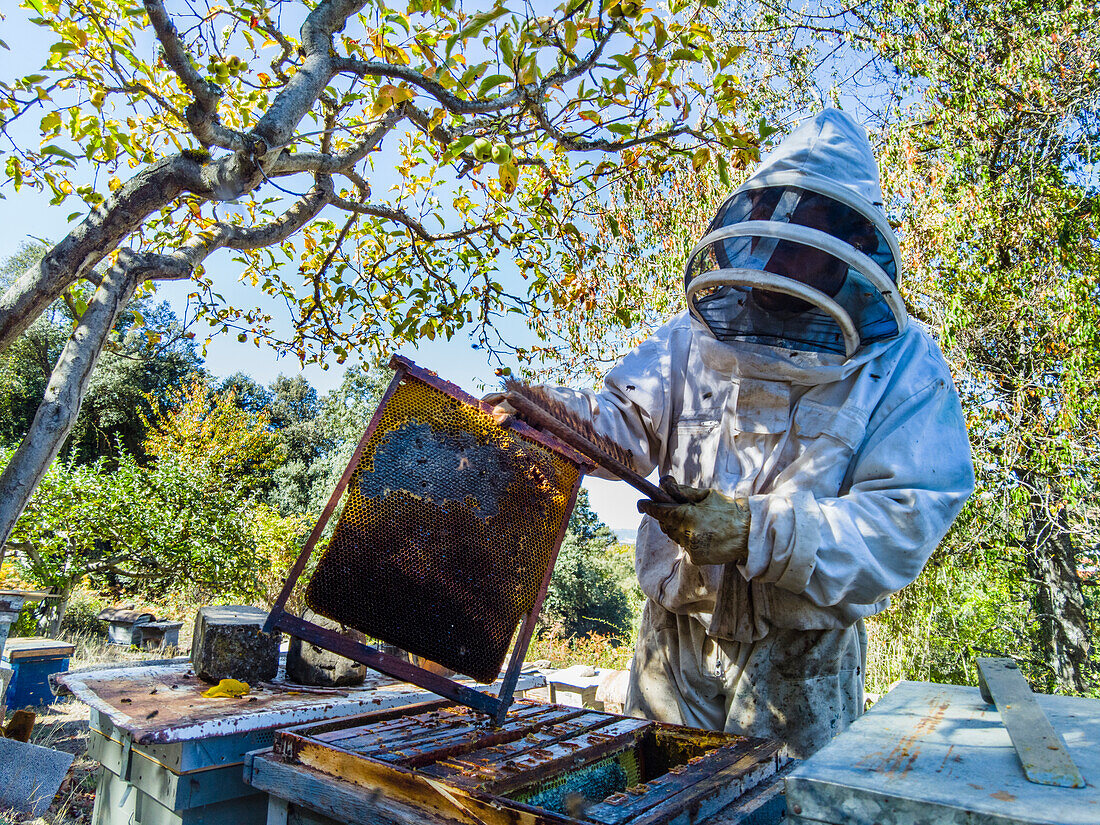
550,764
939,754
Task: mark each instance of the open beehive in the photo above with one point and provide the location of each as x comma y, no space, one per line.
546,764
446,542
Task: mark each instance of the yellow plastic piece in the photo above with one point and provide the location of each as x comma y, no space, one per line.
227,688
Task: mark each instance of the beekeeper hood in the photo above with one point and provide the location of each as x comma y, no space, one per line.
801,255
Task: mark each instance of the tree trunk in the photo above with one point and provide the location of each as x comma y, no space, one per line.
55,612
57,413
1064,641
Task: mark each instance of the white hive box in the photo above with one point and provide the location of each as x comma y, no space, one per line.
929,753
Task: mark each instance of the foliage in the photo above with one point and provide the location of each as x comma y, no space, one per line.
620,561
990,128
149,353
647,230
584,597
499,130
295,411
563,649
80,616
1001,211
148,529
150,357
187,523
276,540
25,366
432,87
341,421
228,447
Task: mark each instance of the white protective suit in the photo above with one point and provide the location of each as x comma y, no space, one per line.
852,453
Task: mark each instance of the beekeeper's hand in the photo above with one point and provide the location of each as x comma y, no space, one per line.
503,412
711,527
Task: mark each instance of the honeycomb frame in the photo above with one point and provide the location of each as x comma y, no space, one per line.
447,541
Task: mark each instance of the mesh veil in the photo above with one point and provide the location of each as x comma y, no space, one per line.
799,236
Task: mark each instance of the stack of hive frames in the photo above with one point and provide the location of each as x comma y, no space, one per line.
450,525
444,761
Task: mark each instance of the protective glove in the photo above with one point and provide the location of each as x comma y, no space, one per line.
711,527
503,412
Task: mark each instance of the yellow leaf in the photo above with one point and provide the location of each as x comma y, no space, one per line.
228,689
509,177
382,104
701,158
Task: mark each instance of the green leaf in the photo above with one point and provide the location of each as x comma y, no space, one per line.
626,63
621,129
684,54
491,82
53,149
36,5
723,170
456,148
480,21
61,49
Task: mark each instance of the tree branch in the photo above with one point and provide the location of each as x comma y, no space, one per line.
289,164
181,263
202,115
278,123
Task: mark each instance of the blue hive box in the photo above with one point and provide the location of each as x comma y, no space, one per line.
33,660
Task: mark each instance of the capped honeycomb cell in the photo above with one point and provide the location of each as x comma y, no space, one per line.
450,522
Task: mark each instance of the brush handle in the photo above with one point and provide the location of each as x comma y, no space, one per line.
536,415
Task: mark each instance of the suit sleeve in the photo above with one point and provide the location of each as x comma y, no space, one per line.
909,481
633,407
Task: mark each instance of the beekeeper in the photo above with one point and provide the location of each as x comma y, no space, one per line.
816,435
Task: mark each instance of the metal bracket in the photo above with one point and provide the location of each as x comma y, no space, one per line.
1042,751
127,759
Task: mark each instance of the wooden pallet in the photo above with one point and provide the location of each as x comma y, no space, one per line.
442,761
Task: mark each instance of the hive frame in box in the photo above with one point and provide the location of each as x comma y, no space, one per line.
280,619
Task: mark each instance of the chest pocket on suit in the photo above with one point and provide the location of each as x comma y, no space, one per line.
694,447
823,441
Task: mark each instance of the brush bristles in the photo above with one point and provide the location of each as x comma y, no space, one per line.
570,419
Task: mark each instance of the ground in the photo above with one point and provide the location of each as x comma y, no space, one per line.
64,727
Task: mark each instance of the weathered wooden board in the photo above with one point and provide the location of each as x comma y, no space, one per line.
1042,751
163,703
